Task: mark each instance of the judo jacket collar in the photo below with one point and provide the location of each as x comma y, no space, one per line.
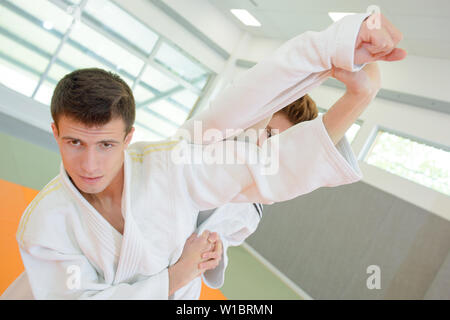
131,244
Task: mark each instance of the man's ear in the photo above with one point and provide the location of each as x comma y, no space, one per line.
129,137
55,131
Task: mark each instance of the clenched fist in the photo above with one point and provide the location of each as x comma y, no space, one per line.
377,41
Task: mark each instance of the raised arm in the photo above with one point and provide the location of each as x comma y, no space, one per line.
293,69
362,87
299,65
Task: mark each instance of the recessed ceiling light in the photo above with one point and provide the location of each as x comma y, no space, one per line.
335,16
246,17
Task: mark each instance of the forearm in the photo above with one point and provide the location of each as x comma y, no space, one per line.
174,280
340,117
179,276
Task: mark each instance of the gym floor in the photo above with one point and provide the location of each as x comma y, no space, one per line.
25,168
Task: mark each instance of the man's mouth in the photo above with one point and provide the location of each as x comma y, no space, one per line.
91,180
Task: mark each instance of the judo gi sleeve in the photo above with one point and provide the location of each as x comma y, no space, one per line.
294,69
303,160
234,222
53,275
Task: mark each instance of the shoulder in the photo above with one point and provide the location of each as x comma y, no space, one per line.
44,218
140,151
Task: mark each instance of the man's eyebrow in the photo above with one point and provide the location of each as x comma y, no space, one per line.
69,138
108,141
101,141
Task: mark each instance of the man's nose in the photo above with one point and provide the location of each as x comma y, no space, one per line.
89,163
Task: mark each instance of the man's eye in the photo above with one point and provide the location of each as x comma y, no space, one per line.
75,142
107,145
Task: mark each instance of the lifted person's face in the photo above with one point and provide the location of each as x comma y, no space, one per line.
278,122
92,156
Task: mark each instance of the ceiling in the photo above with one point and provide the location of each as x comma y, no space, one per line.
425,24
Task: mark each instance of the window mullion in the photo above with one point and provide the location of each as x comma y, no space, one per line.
76,16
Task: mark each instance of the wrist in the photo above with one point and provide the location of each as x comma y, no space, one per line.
362,93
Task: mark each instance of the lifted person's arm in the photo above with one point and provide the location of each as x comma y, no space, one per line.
295,68
362,87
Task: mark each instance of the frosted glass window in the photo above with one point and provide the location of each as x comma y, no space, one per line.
106,37
16,78
352,132
142,134
157,80
163,127
169,111
28,40
123,24
107,49
43,10
142,95
413,160
79,59
18,27
186,98
45,92
57,72
178,63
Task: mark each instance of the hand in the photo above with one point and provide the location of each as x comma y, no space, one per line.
366,81
188,266
214,256
373,44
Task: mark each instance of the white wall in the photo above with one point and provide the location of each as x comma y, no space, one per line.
422,76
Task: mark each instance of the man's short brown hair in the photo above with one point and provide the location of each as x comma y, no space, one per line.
93,97
303,109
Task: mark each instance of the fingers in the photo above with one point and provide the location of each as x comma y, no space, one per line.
396,55
396,35
211,255
219,247
213,237
208,265
205,234
211,258
381,42
378,43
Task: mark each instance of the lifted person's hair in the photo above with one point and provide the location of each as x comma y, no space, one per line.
302,109
93,97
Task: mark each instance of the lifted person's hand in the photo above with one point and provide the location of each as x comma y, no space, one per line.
366,81
378,41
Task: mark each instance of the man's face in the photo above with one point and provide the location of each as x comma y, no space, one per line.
278,122
92,156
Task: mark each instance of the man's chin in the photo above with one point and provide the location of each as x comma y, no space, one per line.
90,188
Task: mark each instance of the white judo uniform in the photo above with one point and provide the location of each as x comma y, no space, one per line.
71,252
